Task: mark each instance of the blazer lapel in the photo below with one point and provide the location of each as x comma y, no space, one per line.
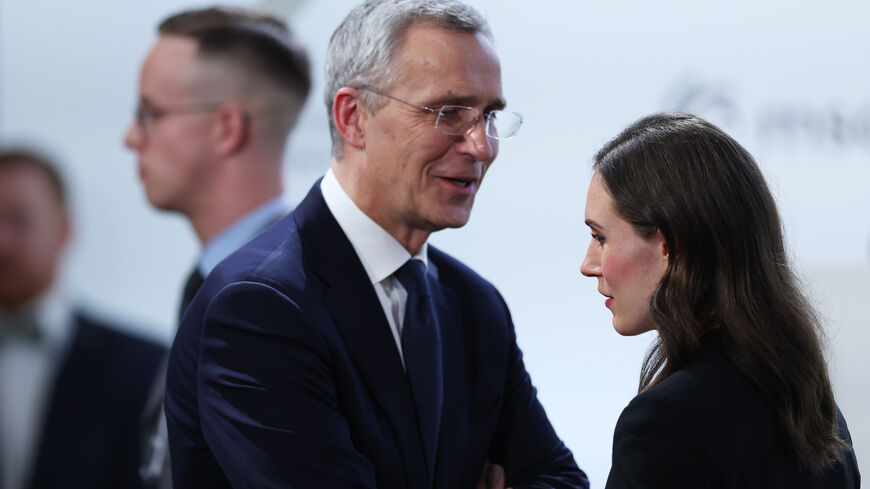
63,420
353,304
454,414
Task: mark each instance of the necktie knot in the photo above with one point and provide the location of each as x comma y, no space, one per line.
191,287
412,276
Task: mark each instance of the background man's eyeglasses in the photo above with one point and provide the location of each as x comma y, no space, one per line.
146,115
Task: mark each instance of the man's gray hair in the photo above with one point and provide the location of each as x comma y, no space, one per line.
362,48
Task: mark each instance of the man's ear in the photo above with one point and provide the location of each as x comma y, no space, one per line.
232,128
349,116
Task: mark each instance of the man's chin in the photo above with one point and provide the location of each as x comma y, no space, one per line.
436,219
452,220
161,203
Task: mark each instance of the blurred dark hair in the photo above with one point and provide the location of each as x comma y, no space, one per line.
728,268
254,42
21,157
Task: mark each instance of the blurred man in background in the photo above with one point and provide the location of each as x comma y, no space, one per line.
219,92
72,387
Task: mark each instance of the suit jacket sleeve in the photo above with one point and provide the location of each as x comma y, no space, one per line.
272,388
526,443
654,446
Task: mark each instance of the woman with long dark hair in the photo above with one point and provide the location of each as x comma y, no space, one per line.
734,393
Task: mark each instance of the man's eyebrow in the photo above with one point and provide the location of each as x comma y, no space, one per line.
145,101
469,101
498,104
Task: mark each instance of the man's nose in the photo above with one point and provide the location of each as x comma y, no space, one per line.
134,137
482,147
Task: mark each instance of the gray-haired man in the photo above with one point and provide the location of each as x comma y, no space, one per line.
338,349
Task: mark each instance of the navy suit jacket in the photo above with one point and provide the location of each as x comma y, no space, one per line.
90,435
707,426
284,373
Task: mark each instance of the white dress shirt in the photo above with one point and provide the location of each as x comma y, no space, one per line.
381,255
28,366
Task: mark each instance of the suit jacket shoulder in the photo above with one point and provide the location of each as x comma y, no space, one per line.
91,428
707,426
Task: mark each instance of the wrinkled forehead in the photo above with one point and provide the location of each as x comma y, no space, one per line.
458,63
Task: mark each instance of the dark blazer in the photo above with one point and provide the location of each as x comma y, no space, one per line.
284,373
707,426
155,464
90,436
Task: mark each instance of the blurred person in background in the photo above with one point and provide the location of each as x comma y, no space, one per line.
734,393
219,93
72,386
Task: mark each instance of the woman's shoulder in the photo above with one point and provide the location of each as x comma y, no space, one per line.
703,426
706,425
707,404
709,395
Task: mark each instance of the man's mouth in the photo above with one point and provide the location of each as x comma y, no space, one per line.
460,182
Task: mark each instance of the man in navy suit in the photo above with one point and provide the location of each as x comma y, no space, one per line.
72,387
219,94
339,349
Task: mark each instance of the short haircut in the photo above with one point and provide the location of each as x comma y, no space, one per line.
253,43
20,157
362,49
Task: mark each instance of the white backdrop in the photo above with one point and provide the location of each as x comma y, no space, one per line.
789,80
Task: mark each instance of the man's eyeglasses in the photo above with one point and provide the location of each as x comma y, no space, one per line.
458,120
146,115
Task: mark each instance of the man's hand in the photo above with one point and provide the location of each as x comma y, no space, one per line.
492,477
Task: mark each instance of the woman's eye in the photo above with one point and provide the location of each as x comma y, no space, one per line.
598,237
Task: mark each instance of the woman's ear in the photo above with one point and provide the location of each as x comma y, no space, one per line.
662,245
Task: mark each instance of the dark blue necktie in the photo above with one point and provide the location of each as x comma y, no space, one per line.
191,287
421,346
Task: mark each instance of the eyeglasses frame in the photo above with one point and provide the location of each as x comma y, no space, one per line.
437,112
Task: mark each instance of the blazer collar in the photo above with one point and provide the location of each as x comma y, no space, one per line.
353,305
454,414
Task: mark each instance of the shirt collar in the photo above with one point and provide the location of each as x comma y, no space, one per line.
381,255
51,314
55,317
240,232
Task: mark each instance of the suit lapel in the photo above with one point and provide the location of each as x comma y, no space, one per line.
353,304
454,414
65,413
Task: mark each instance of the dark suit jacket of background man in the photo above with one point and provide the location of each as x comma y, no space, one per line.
90,433
707,426
284,372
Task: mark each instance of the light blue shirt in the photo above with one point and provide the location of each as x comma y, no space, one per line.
241,231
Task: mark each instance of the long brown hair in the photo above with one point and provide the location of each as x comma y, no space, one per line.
727,269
